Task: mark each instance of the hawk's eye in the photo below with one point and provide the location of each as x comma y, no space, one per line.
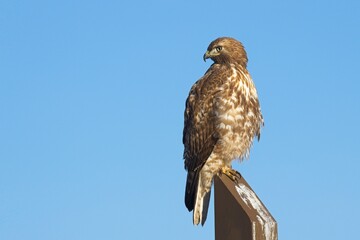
219,48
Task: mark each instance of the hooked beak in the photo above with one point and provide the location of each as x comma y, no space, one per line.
206,56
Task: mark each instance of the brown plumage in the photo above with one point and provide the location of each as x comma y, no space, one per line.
222,116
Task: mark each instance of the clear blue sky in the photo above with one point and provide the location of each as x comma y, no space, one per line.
91,114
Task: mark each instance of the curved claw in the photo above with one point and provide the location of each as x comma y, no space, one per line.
234,175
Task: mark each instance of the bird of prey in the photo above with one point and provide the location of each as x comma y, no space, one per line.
222,116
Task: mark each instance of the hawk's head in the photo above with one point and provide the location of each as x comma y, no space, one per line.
226,50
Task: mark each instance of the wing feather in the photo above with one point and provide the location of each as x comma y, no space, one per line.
199,136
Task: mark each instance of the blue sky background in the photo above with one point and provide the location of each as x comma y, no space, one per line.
92,97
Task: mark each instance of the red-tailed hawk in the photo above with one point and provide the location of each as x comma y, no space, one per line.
222,117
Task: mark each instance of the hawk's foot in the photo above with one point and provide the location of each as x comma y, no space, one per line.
231,173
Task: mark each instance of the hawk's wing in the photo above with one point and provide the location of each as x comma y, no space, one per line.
199,136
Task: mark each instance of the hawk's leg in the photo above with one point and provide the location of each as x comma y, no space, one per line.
231,173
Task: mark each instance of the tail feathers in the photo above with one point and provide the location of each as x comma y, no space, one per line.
197,198
201,205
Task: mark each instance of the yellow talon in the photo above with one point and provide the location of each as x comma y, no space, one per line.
231,173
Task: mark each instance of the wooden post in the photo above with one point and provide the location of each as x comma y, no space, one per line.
239,213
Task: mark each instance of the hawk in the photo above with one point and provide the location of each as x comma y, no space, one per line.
221,119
